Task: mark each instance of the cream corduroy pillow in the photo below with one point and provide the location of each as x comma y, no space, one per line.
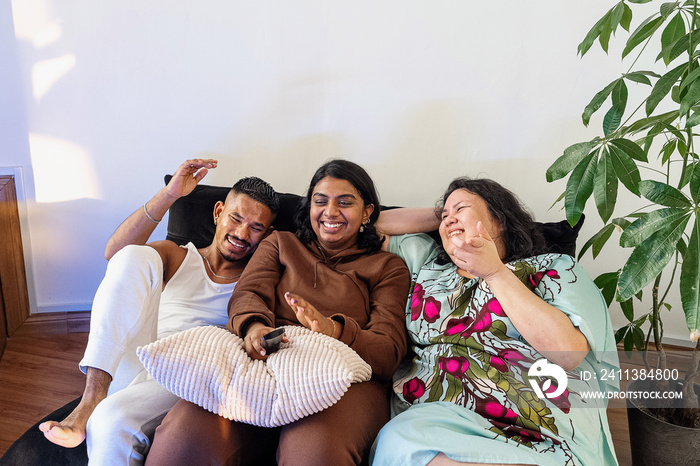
208,366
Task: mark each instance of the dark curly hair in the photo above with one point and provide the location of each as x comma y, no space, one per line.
369,239
521,237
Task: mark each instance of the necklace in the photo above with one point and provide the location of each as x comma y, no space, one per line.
212,271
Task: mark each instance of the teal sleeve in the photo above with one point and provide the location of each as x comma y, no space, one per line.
572,291
415,250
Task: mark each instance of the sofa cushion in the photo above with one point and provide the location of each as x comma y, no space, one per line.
209,366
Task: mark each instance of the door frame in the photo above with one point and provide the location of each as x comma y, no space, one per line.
13,276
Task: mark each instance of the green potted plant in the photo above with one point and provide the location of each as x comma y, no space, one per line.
647,148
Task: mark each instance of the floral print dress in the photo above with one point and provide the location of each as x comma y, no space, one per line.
470,388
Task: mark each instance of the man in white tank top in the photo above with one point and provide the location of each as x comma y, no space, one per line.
151,290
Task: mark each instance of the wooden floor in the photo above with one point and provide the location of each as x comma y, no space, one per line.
39,373
617,417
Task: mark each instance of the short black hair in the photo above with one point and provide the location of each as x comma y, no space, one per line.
521,236
369,239
258,190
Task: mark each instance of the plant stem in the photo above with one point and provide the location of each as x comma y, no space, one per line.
690,39
670,282
656,318
684,156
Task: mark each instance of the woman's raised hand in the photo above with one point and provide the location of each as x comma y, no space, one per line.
477,255
308,316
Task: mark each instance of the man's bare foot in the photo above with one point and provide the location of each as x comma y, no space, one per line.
71,431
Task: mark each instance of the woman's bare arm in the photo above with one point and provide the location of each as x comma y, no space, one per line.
405,220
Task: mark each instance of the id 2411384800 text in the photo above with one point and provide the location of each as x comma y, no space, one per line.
632,374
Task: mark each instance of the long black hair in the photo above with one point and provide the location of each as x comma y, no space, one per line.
520,234
340,169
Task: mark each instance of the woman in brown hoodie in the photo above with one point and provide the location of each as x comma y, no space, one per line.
330,277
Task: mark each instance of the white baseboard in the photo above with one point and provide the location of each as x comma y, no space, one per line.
677,342
51,309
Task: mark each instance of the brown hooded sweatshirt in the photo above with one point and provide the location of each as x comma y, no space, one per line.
366,292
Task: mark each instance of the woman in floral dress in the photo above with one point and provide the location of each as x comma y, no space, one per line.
508,344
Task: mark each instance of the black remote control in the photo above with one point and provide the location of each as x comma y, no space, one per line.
271,341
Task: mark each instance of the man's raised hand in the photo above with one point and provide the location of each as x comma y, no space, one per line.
188,175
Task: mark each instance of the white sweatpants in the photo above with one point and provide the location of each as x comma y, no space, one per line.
124,317
121,428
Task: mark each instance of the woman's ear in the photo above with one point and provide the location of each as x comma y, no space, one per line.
367,213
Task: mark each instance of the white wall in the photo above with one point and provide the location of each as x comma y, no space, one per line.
103,98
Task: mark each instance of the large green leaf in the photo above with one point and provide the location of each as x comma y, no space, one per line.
683,148
674,30
619,102
626,19
663,194
638,336
667,8
630,148
663,86
690,280
695,183
628,343
621,222
593,34
644,227
686,175
604,36
643,32
684,44
691,97
667,150
676,92
677,48
638,77
628,309
691,77
597,101
612,120
625,169
652,121
612,20
579,188
605,187
597,241
571,158
681,247
620,334
648,260
607,283
693,120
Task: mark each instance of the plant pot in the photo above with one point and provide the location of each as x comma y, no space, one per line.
657,442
